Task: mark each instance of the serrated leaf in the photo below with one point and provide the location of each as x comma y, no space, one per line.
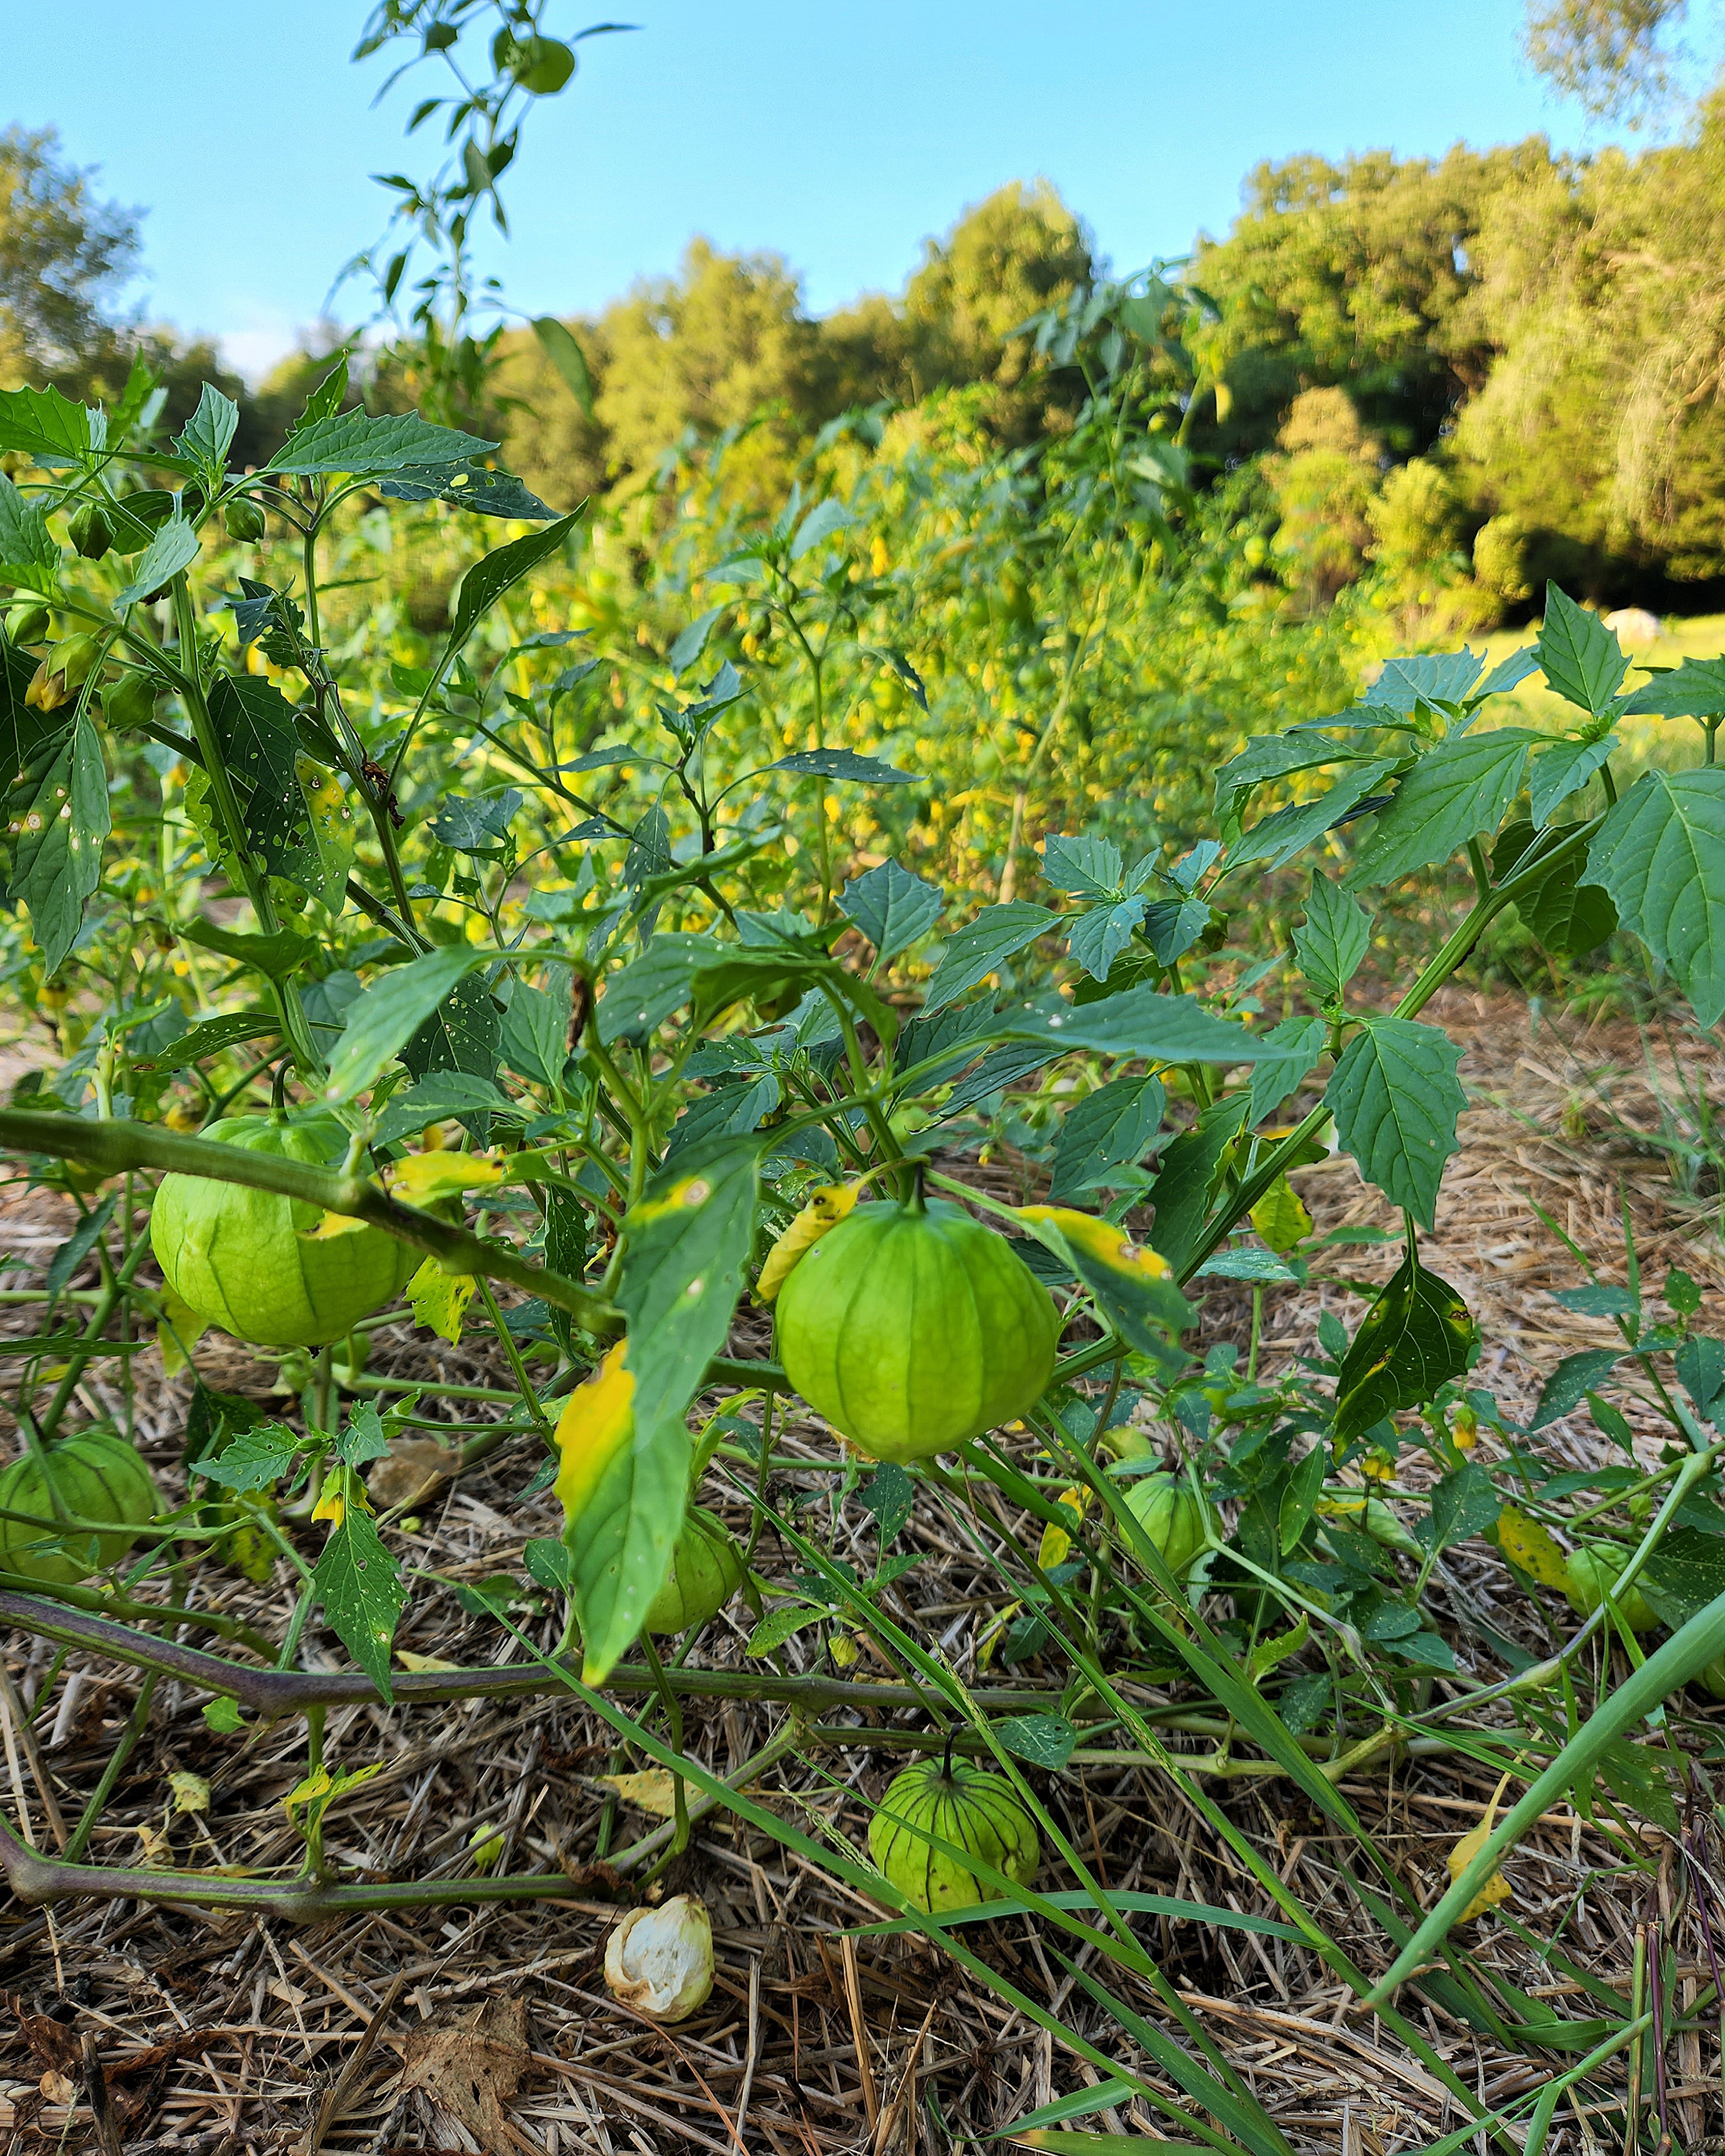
1333,941
1573,1379
461,1034
1187,1179
439,1299
1289,1054
362,1591
1464,1503
1140,1022
822,522
1097,938
382,1019
891,907
1457,791
208,434
1415,1337
470,824
254,726
46,427
1267,757
1442,677
1561,770
971,953
174,547
1085,867
362,445
1661,855
1395,1098
1582,660
56,810
534,1038
1275,839
29,553
1108,1130
841,763
1133,1285
253,1458
1696,690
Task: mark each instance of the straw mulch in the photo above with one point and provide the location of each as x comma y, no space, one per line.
471,2028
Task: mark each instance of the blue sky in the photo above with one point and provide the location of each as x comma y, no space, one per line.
839,135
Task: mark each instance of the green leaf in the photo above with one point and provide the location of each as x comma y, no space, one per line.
778,1625
1559,910
173,548
1108,1130
691,641
1277,838
558,344
1696,690
1266,757
971,953
1395,1098
489,578
278,955
254,1459
890,908
1333,941
1144,1307
384,1017
222,1715
1429,677
29,555
1685,1572
843,764
1299,1501
215,1037
208,435
1414,1338
1289,1054
685,1246
1085,867
56,810
1047,1741
1464,1503
636,1000
1191,1170
48,427
1581,657
1140,1022
1661,854
275,781
460,1035
361,446
1097,938
535,1038
1573,1379
822,523
1561,770
437,1099
363,1593
1457,790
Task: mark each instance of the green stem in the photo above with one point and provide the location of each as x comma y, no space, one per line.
111,1773
91,1343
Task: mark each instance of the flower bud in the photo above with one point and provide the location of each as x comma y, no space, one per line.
244,520
57,680
92,533
661,1961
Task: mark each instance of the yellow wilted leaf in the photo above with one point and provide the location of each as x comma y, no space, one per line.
843,1649
423,1176
1101,1239
1527,1544
988,1646
420,1663
651,1791
440,1299
191,1792
597,1421
1057,1541
1496,1888
826,1207
1280,1218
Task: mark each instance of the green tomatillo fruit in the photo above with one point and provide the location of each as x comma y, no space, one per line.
1590,1571
1174,1519
706,1572
913,1328
131,703
96,1475
27,623
244,520
247,1261
92,530
974,1812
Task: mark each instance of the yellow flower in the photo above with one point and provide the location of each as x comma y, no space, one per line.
1497,1887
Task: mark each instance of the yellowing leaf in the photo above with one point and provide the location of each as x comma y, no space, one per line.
1527,1544
652,1791
440,1299
1102,1241
988,1646
331,1225
843,1649
1280,1218
191,1792
423,1176
1056,1541
597,1422
420,1663
1497,1887
826,1207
